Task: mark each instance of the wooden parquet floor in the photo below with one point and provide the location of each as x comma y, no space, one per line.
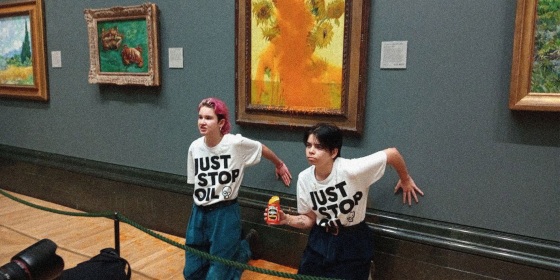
80,238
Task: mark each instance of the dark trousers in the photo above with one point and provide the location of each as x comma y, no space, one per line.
347,255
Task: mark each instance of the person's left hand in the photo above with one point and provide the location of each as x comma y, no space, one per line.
409,189
283,173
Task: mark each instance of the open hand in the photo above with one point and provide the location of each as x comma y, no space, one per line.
283,173
409,189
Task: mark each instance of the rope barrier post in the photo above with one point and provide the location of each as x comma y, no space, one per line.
117,233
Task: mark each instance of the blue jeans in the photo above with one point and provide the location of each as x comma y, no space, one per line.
217,232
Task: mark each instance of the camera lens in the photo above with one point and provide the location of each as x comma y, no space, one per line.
38,262
12,271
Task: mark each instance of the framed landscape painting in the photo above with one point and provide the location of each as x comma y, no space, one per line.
301,62
23,73
123,44
535,74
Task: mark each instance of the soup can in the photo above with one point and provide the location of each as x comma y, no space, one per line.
273,211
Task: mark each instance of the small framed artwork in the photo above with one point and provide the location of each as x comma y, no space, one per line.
23,73
535,71
123,45
301,62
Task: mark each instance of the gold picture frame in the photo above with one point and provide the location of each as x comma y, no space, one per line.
521,97
124,45
287,83
23,72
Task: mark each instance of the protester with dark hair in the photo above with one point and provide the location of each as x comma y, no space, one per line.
216,164
332,201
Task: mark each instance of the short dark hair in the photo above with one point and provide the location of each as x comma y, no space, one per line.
328,135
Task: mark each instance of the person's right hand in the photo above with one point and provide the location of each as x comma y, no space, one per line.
283,217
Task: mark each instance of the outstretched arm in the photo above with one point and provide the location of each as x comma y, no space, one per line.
409,188
281,168
302,221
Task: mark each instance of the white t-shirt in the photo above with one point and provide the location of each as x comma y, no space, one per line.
217,172
340,199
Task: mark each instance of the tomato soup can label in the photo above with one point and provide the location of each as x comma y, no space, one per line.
273,213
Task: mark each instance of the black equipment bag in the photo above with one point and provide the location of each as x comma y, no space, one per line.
107,265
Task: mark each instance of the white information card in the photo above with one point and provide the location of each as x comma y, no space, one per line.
393,54
56,59
175,57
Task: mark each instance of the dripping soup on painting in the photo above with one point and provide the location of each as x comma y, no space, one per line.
301,61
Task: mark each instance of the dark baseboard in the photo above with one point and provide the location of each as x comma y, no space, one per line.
405,246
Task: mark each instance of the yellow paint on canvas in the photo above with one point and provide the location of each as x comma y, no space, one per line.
16,75
299,65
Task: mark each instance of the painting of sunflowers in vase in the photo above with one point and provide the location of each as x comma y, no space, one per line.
297,54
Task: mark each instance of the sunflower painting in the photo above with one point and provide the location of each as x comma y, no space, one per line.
296,54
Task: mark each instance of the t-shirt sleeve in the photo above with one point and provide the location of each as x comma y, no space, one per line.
303,206
369,168
190,166
250,149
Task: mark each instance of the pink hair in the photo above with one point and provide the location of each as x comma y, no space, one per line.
220,109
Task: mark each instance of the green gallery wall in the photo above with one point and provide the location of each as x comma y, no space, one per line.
480,165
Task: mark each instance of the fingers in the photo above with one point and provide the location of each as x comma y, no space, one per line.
409,190
419,190
286,179
281,214
284,174
415,197
408,195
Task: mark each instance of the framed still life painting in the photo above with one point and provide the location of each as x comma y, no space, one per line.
535,73
300,62
23,73
123,45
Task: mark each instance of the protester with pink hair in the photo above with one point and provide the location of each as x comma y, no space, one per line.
216,164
